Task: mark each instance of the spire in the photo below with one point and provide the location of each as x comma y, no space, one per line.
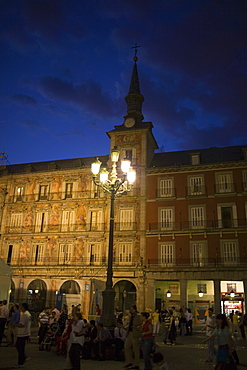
134,99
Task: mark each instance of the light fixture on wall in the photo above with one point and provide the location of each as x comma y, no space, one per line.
232,293
168,294
200,293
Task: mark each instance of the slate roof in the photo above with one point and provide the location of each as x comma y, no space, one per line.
63,164
207,156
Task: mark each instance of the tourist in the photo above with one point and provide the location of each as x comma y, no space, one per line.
102,340
133,335
156,322
76,340
210,326
147,340
12,331
4,315
223,335
119,338
23,333
158,359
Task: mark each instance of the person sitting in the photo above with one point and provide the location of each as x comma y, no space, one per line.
102,340
119,338
90,335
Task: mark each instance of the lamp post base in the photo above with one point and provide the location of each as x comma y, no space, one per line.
108,317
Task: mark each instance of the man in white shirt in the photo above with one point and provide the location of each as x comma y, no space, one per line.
210,325
24,328
4,315
119,338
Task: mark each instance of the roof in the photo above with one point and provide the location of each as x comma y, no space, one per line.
207,156
62,164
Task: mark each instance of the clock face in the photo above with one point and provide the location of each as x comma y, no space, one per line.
129,122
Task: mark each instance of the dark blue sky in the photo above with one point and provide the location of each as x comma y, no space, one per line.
66,67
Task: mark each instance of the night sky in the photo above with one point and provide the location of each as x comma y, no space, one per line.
66,67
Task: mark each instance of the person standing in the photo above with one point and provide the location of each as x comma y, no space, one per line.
166,319
156,322
23,333
172,328
147,340
235,321
223,335
210,325
133,335
4,315
15,318
189,317
43,320
76,340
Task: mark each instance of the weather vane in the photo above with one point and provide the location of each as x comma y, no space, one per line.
136,48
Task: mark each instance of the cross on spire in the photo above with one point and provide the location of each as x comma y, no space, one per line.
136,48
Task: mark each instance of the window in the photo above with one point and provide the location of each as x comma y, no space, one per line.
227,215
195,158
69,190
166,188
195,185
197,217
126,219
128,154
41,222
19,193
16,222
125,253
245,181
166,218
96,220
167,253
38,254
43,192
198,253
13,254
224,183
231,287
65,255
68,221
229,252
202,288
94,253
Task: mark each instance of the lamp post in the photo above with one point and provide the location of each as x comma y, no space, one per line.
112,186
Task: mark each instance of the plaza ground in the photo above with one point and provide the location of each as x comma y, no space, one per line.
188,353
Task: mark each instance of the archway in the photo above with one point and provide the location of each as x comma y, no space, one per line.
125,295
36,295
70,293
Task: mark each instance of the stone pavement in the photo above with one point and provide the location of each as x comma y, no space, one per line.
189,353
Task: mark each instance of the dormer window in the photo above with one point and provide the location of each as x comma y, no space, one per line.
195,158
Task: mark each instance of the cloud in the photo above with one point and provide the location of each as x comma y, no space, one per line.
89,95
23,99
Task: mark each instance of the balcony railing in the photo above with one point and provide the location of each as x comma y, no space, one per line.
225,188
99,261
196,190
73,261
64,228
198,263
197,225
165,193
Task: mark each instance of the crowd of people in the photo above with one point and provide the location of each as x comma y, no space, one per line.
74,337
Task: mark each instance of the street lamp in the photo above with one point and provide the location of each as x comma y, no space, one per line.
112,186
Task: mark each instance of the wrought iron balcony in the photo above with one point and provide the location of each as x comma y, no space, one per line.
225,188
197,225
198,263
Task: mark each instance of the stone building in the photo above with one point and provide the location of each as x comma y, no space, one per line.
179,232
